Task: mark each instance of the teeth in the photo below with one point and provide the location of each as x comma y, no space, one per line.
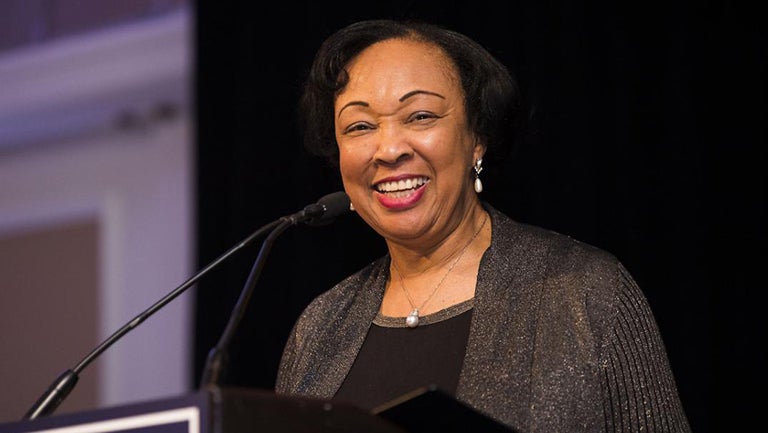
401,185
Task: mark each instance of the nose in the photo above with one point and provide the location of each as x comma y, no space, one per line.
392,147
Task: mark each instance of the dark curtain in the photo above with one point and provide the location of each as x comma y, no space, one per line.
647,139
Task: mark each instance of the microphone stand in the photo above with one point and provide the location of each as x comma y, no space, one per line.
218,357
323,212
63,385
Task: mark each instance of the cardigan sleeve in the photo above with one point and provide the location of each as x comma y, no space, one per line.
639,386
282,385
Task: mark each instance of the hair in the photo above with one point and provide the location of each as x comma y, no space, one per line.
491,95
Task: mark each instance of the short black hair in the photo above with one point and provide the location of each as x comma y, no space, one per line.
492,98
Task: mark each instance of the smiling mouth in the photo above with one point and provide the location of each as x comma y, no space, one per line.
400,188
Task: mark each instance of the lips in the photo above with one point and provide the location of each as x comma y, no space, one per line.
400,193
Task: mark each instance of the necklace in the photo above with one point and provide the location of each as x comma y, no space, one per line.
412,320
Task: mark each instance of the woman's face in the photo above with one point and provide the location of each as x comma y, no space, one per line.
405,150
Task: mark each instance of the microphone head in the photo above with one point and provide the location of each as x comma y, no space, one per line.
332,205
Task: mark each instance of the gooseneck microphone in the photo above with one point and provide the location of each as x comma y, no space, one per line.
333,205
323,212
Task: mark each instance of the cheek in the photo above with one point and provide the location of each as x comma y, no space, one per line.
352,163
447,150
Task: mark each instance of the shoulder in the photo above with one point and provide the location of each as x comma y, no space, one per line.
559,275
556,269
539,246
328,328
359,287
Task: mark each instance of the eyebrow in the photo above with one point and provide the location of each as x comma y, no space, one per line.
403,98
417,92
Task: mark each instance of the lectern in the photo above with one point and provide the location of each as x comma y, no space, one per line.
243,410
215,410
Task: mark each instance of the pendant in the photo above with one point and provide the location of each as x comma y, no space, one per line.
478,185
412,320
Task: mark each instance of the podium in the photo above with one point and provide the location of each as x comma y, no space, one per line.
242,410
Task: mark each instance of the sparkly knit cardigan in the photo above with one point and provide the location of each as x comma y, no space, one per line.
561,340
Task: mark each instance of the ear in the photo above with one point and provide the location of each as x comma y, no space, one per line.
479,151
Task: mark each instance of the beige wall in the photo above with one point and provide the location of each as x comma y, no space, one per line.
107,202
48,313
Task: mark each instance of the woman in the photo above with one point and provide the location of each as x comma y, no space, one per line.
539,331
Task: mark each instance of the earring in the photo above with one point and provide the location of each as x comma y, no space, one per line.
478,168
351,207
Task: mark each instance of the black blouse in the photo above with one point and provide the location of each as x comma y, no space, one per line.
395,359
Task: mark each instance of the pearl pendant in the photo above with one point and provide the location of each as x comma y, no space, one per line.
478,185
412,320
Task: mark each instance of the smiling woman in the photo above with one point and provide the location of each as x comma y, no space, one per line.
405,151
537,330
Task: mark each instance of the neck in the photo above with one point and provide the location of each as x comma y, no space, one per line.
416,261
422,283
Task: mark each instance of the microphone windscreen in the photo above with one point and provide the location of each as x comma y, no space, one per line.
335,204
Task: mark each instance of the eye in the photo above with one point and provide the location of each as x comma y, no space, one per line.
357,127
422,116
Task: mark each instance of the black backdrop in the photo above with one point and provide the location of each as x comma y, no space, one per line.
648,140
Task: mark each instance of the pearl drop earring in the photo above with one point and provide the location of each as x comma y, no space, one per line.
478,168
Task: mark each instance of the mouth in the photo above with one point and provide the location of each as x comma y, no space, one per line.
402,187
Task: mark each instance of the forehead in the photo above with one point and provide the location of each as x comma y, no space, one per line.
401,63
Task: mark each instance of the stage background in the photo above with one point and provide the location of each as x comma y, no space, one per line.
648,141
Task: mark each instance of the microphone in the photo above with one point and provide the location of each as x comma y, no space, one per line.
327,209
323,212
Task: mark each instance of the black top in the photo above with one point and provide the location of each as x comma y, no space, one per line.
395,359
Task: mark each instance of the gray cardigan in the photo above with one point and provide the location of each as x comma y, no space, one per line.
561,339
